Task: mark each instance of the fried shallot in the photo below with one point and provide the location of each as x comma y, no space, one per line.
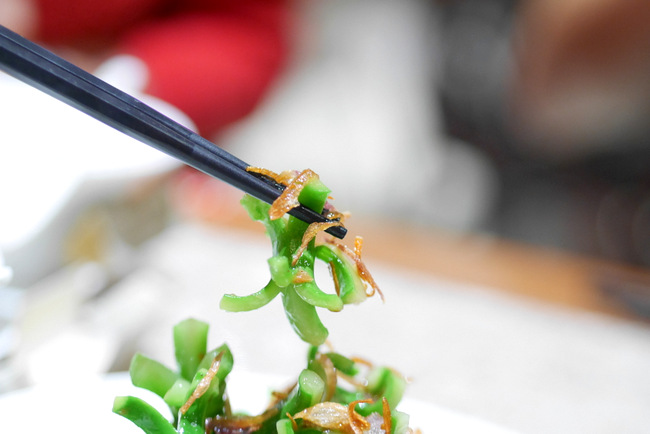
310,233
361,267
204,384
288,199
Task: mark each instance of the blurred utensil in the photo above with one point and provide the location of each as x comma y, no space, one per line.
57,77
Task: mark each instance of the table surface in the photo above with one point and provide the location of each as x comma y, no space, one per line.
482,326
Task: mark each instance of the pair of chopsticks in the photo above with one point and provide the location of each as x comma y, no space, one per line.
59,78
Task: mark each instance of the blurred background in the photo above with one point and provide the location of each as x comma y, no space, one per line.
524,121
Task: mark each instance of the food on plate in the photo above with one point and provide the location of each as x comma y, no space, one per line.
333,393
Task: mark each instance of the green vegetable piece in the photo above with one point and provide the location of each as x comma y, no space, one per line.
299,298
213,401
309,391
151,375
280,268
284,426
210,403
190,344
344,396
304,319
234,303
190,426
178,394
400,422
225,365
351,287
384,382
314,195
343,364
312,294
143,415
312,352
259,211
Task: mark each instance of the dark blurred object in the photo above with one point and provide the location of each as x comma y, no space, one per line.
631,292
475,65
557,93
583,80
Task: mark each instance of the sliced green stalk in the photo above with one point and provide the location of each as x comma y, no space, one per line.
143,415
225,364
208,398
344,396
234,303
351,287
178,393
151,375
208,404
304,319
284,426
384,382
313,295
190,344
314,195
399,422
280,268
343,364
259,211
213,400
187,426
308,392
299,298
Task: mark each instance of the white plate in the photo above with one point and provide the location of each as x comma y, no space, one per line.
83,408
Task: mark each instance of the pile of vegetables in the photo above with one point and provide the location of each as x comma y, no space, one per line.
333,394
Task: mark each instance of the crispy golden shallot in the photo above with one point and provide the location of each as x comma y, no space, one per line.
364,274
338,417
358,245
334,416
283,178
294,425
204,384
310,233
302,277
264,172
362,361
332,214
238,424
330,376
277,396
357,422
335,279
288,199
327,415
387,425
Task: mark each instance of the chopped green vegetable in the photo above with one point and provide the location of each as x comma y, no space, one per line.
308,392
143,415
190,342
286,236
152,375
333,394
284,426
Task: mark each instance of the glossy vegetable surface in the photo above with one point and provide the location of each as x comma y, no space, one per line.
293,276
320,398
333,393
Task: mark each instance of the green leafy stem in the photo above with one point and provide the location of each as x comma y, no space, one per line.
293,277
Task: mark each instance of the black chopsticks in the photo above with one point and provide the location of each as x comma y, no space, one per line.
59,78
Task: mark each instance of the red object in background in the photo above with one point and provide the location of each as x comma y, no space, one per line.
214,68
212,59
